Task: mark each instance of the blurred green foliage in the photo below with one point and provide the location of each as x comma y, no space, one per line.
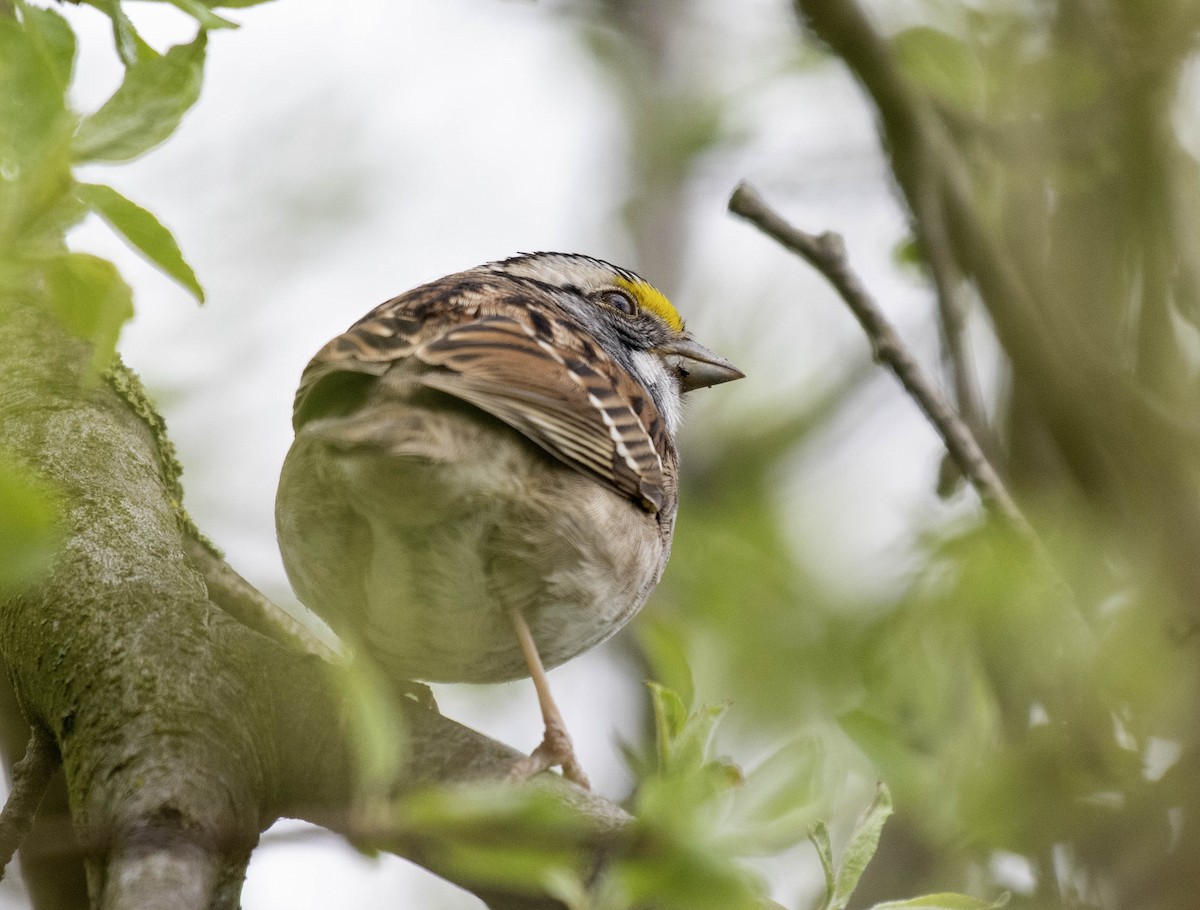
27,526
694,814
1037,724
39,202
41,138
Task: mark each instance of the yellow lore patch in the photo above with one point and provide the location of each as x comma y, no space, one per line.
652,299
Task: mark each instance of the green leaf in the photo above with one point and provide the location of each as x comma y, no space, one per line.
496,833
125,36
143,231
147,108
667,655
202,14
378,740
882,741
35,130
509,866
32,106
861,848
92,300
670,714
944,902
495,812
683,738
675,876
28,526
776,805
819,835
54,40
688,750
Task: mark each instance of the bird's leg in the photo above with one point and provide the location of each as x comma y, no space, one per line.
556,747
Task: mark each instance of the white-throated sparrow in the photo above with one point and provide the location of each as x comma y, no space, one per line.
483,478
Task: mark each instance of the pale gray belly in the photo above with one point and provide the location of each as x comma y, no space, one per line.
419,560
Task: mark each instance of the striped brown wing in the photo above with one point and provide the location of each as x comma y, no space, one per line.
335,377
586,411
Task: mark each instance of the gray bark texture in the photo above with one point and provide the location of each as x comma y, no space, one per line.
182,732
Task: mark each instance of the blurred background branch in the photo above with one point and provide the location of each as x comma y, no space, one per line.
1038,157
827,254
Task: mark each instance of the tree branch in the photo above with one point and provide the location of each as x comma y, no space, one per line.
184,871
827,254
1035,331
30,777
955,339
937,187
249,606
1125,451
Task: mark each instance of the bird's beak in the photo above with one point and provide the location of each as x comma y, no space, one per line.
697,366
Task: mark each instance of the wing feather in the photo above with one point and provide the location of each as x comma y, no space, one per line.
558,388
576,411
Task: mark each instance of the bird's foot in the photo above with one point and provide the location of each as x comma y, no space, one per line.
555,749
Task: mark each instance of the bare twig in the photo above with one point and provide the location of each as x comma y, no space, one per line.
826,253
249,606
933,176
955,339
30,776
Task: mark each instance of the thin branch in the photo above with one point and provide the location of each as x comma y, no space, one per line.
30,777
955,340
922,177
935,182
929,168
827,254
1120,444
249,606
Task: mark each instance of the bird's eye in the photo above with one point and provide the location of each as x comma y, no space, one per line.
619,300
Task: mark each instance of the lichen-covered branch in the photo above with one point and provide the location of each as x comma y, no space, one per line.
30,778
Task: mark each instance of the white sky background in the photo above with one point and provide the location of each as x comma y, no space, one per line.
341,154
